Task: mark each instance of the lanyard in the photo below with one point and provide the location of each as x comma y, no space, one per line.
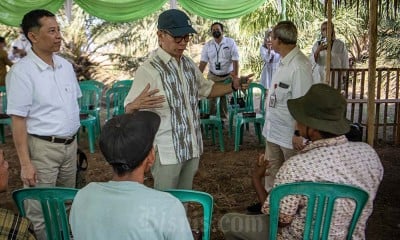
215,45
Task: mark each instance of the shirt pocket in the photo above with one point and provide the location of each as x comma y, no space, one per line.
226,53
283,93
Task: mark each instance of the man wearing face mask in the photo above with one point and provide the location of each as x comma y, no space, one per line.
222,56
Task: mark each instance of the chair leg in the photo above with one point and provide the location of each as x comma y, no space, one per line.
91,136
257,127
2,135
231,114
237,136
221,139
213,133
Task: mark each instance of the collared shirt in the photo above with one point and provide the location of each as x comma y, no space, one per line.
148,74
339,59
47,96
333,160
227,52
291,80
126,210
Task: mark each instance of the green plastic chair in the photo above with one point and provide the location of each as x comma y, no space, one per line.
89,122
115,98
123,83
321,199
4,118
258,120
213,121
234,109
90,101
52,201
206,201
98,84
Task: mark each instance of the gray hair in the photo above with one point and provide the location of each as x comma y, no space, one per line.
286,32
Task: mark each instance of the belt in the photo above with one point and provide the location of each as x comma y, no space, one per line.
54,139
224,75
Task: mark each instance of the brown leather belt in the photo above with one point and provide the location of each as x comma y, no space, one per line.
225,75
53,139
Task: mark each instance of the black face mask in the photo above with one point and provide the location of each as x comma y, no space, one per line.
216,34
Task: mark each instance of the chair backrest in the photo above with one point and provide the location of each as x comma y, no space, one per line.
52,201
251,92
205,106
93,82
206,201
123,83
91,96
115,98
320,202
3,96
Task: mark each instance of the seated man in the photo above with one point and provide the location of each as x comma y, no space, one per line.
124,208
327,157
12,226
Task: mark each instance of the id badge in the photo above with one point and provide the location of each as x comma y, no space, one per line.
272,100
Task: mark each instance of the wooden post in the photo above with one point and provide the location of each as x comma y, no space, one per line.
329,39
373,8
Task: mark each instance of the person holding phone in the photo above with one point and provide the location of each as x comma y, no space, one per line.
270,59
339,55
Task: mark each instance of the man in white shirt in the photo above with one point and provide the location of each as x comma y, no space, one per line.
292,79
222,56
42,95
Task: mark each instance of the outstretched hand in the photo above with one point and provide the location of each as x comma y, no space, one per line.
146,99
243,82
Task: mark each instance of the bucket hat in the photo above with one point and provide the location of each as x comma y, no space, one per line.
322,108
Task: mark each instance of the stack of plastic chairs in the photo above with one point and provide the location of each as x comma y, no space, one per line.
250,116
212,121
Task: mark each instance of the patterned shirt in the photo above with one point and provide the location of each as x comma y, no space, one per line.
329,160
13,226
147,74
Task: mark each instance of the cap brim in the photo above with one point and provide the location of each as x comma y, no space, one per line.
178,32
296,109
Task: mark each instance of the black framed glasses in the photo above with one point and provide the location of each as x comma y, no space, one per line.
179,39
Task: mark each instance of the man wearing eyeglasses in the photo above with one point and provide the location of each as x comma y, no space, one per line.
222,56
178,140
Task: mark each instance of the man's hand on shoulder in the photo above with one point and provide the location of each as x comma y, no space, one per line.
146,99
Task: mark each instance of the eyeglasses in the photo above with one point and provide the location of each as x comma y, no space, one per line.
179,39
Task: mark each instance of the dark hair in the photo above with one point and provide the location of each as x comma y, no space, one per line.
286,32
2,40
217,23
325,135
126,140
31,20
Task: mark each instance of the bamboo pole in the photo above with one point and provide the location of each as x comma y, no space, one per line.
372,26
329,39
283,12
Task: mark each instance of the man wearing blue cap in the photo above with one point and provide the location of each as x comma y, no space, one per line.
179,142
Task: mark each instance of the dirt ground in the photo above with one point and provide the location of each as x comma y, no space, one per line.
226,176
